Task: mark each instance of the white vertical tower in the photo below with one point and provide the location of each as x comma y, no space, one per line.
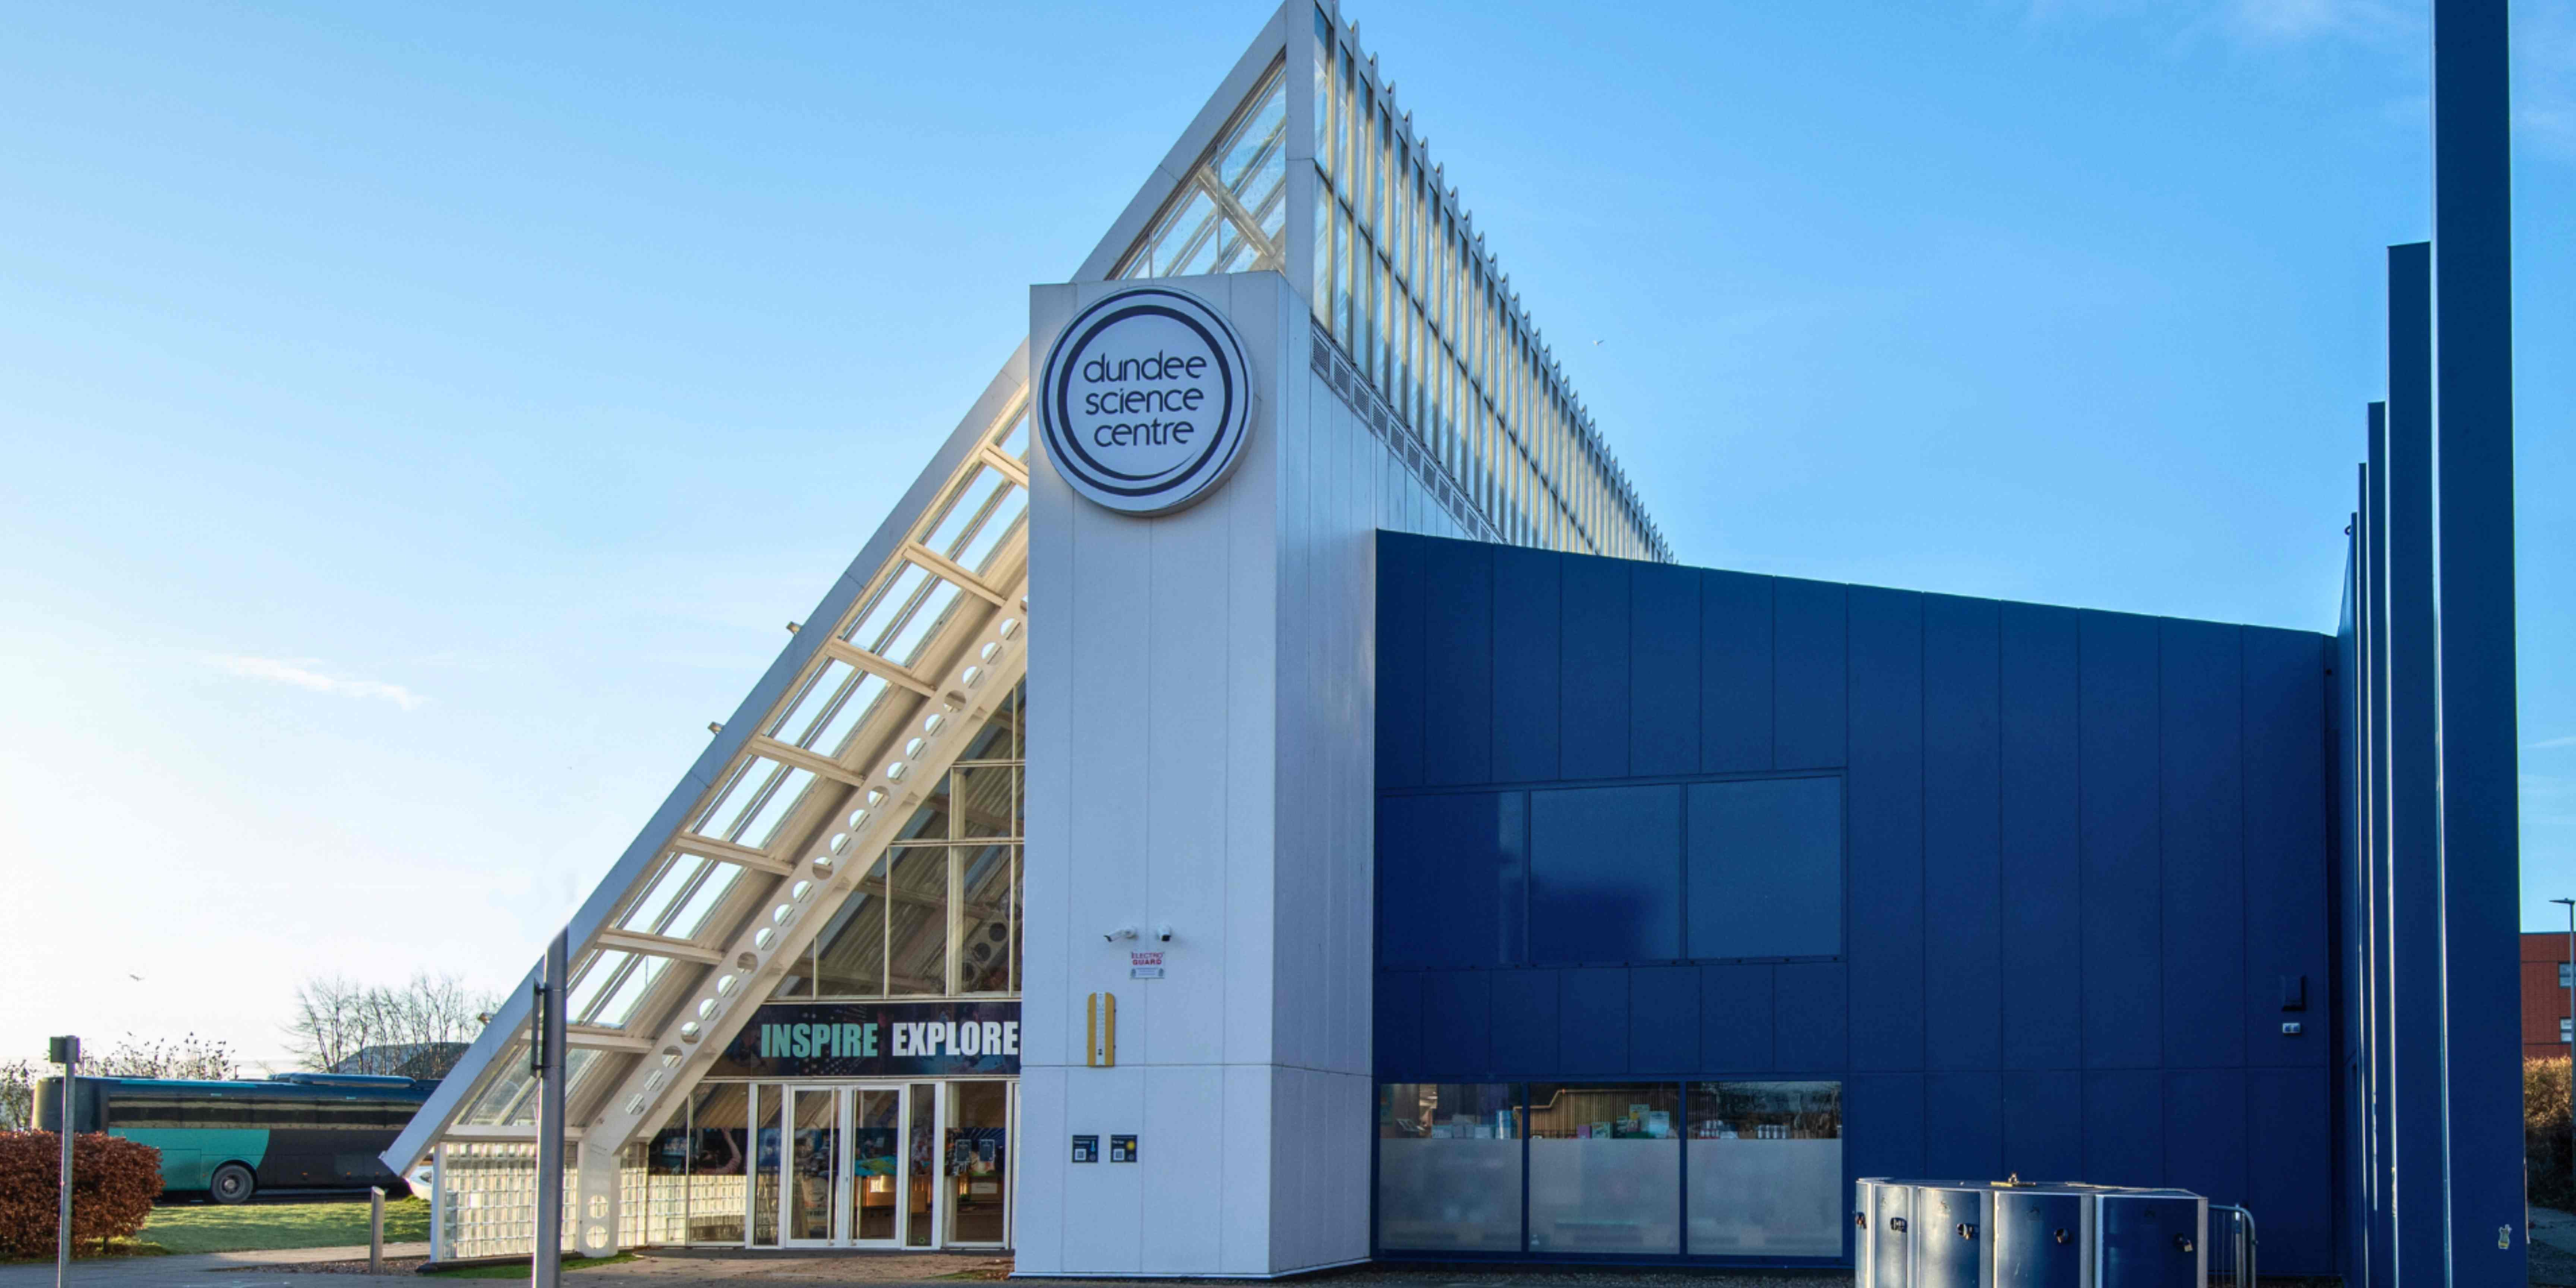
1201,758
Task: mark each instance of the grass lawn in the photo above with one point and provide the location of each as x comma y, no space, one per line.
206,1227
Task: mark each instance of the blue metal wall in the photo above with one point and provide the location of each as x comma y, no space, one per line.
2087,855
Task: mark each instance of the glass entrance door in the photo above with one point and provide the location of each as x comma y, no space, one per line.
812,1161
876,1166
976,1171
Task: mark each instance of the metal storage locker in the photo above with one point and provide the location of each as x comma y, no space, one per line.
2151,1239
1951,1237
2041,1237
1879,1253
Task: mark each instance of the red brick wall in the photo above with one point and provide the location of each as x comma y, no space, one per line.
2544,999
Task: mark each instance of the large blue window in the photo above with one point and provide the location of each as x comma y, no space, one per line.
1766,868
1605,875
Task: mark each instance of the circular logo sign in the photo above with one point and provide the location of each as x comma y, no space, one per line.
1146,400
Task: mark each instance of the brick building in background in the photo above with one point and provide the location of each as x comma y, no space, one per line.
2544,993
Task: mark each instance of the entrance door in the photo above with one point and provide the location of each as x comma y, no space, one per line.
977,1168
812,1162
876,1166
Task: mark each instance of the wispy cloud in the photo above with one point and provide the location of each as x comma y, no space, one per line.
300,673
2547,744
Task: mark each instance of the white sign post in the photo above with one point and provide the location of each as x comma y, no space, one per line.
66,1052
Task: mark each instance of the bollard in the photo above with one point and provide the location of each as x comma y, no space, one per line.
375,1229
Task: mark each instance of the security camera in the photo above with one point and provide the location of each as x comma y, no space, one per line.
1123,932
1164,932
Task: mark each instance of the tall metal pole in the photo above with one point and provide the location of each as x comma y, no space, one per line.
66,1053
2570,973
547,1046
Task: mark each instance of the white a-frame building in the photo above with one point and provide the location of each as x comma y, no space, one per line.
1027,899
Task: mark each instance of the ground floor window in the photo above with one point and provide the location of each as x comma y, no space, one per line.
841,1163
1715,1169
1449,1166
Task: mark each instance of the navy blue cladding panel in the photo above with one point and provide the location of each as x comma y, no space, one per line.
1465,855
1883,1124
1808,645
2123,894
1885,794
2124,1115
1765,868
1735,1019
1604,866
1525,1010
2041,889
1814,1017
1400,684
1457,1023
1663,1020
2285,844
1963,1117
1403,881
1398,1022
1962,784
2288,1180
1458,664
1593,1026
2204,1118
1735,636
1663,670
1595,689
1526,665
2202,840
2044,1123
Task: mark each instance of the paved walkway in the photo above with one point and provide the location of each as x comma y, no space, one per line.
196,1270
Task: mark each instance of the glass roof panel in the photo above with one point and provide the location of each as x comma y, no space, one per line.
903,616
813,703
741,793
781,801
691,916
1200,233
1014,436
865,691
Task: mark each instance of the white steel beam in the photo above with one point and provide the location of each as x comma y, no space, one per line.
876,666
604,1039
636,941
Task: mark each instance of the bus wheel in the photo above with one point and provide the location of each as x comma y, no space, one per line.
231,1183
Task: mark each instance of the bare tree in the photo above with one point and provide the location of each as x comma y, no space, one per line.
189,1057
341,1025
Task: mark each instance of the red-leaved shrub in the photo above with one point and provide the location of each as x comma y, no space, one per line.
114,1182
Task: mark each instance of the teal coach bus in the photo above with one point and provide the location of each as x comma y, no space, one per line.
230,1140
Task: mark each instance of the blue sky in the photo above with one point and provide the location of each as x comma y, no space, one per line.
422,420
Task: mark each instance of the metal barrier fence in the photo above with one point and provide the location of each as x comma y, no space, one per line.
2231,1246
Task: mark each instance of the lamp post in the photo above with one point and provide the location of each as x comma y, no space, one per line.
2571,1025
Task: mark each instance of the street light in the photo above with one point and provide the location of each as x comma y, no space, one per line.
2571,1028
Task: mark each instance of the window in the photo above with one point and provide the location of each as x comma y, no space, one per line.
1604,1169
2566,1029
929,918
2566,974
1449,1166
1602,863
1766,1169
1766,868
